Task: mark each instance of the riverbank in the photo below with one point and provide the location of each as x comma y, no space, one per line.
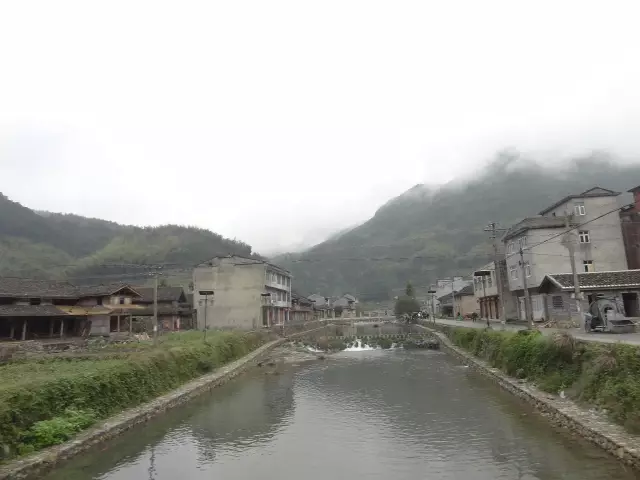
46,402
584,387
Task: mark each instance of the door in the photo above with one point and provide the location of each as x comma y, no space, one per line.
630,302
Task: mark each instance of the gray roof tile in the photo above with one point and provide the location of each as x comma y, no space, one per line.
597,280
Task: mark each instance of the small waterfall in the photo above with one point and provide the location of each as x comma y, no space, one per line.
359,347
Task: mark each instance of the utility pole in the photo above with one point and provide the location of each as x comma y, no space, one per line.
205,294
155,309
569,242
453,297
493,228
527,298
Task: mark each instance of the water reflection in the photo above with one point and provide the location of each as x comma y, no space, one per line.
375,415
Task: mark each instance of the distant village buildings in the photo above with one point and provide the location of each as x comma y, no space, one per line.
536,251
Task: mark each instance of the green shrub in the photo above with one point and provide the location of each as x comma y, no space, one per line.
42,402
603,375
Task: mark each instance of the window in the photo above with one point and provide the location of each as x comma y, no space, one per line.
584,236
527,269
588,266
557,301
523,242
99,301
513,272
579,209
489,280
121,300
510,247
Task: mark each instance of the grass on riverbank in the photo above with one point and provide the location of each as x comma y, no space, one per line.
46,401
603,375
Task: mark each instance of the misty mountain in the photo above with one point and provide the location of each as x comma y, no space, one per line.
428,233
53,245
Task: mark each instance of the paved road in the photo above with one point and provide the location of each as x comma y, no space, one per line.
630,338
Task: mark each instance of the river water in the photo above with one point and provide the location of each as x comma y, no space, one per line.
367,415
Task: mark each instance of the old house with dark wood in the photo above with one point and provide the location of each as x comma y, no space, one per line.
174,310
301,308
38,309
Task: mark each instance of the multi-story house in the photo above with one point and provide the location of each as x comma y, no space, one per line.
247,293
485,289
598,244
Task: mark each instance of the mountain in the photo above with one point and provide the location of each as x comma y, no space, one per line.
53,245
428,233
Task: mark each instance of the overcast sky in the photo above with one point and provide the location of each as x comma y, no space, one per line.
277,122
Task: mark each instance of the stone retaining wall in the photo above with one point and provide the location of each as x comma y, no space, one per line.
36,465
588,424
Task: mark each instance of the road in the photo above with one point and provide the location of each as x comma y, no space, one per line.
630,338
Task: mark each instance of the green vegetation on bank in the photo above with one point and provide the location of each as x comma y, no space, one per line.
606,376
46,401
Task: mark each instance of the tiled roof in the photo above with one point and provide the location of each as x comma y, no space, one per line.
32,288
30,311
26,287
165,294
162,310
463,292
99,290
592,192
466,291
596,280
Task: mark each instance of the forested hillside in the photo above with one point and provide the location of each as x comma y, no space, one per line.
55,245
428,233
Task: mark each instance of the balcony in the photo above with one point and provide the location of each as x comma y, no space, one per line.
267,302
272,284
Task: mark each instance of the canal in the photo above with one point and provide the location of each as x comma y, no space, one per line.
368,415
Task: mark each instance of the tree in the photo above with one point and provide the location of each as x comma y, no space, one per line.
409,291
406,305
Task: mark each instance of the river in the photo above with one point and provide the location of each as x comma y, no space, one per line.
367,415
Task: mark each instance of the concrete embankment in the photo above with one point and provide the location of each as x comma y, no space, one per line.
36,464
589,424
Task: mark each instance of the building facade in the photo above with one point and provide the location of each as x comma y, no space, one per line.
488,297
630,222
598,244
39,309
247,293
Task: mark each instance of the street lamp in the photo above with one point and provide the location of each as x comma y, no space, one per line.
205,294
483,274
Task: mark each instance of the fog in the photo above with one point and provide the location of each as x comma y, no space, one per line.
280,122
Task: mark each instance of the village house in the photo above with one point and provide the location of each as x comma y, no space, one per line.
174,310
33,309
321,306
465,302
599,245
345,306
485,285
621,287
301,308
247,293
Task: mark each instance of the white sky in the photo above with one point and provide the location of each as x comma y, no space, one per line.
277,122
